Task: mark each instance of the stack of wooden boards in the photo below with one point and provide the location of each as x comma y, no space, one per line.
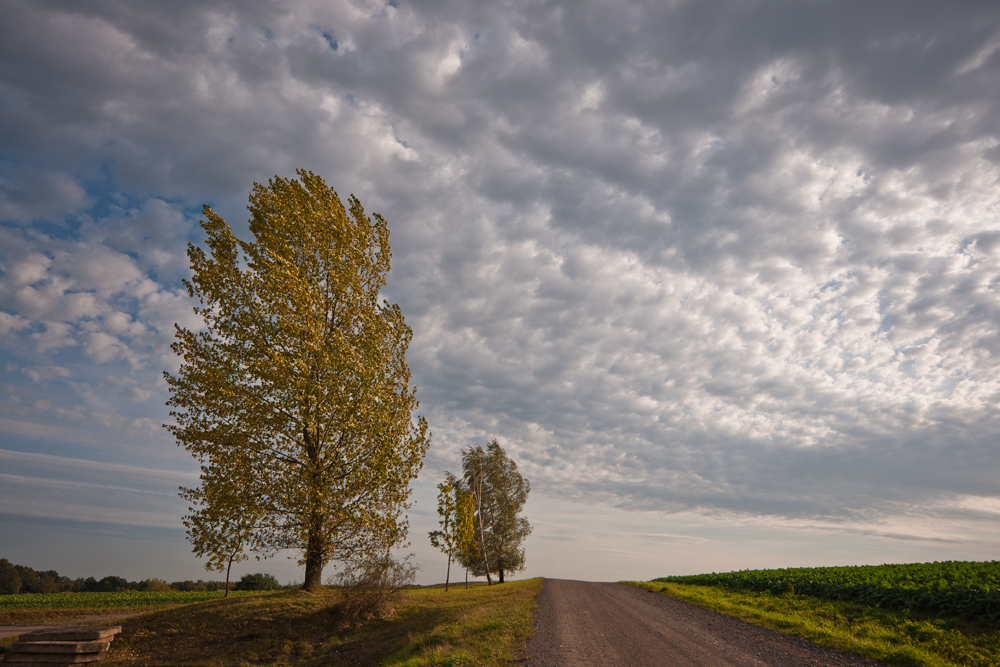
61,646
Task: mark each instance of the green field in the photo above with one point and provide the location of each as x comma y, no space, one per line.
105,600
917,615
951,589
891,637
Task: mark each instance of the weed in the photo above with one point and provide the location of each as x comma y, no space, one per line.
371,589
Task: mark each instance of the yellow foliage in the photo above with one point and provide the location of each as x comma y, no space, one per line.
296,396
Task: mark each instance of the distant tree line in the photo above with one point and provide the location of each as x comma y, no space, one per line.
23,579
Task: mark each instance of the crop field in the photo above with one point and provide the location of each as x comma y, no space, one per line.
104,600
960,589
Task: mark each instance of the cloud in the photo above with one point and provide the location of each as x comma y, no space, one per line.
56,335
65,293
9,322
29,194
39,373
15,427
737,260
102,347
154,232
59,487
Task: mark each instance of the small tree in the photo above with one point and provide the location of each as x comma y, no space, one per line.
455,509
465,529
445,539
217,533
475,479
155,585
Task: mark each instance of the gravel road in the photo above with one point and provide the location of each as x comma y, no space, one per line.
582,623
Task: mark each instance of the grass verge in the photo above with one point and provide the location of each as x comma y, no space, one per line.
895,638
480,626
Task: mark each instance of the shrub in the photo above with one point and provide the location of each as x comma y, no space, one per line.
371,588
112,584
10,579
258,582
155,585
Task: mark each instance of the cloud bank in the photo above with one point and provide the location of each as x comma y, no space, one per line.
738,259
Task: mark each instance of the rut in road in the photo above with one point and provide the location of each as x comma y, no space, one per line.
581,623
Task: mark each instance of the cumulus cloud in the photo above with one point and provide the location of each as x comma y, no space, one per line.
731,259
39,373
11,322
29,194
154,232
80,292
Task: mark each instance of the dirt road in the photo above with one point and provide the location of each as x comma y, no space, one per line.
580,624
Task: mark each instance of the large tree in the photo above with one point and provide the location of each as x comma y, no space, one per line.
296,396
499,492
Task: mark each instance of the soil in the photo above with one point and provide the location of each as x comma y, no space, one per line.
584,623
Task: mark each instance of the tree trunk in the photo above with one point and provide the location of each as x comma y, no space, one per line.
489,579
482,532
228,567
314,553
314,564
500,566
447,577
314,541
466,578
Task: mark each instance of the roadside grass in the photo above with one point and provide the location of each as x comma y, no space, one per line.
480,626
891,637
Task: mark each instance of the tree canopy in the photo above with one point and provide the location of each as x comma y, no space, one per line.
296,396
499,493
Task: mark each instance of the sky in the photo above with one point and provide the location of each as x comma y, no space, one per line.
722,278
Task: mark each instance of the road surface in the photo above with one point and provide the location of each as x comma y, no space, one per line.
579,624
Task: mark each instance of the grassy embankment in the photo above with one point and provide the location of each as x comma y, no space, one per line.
479,626
922,615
